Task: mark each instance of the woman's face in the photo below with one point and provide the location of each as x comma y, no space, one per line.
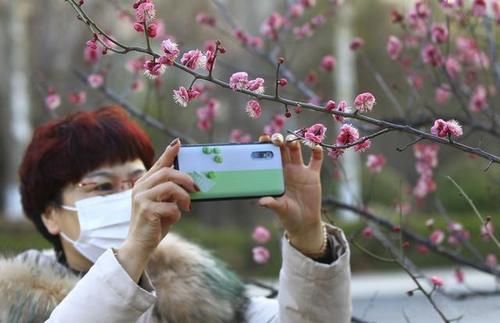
104,180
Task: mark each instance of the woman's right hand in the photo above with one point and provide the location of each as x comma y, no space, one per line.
158,198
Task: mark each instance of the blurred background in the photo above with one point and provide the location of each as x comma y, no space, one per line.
41,47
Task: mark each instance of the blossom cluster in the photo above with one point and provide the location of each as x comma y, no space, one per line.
426,160
260,253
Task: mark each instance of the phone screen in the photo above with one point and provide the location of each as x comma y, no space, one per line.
230,171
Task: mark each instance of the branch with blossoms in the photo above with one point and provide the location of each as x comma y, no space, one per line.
195,59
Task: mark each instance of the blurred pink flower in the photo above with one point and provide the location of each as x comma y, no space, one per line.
315,134
52,100
145,12
183,96
364,102
375,163
261,234
479,8
77,98
203,18
437,281
432,55
487,230
491,260
253,109
171,50
296,10
443,93
261,255
453,67
367,232
439,33
363,146
478,100
256,86
328,63
334,153
437,237
394,47
272,25
238,81
357,43
95,80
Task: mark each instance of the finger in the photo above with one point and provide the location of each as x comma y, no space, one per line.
168,211
170,192
277,205
316,158
165,174
264,138
295,150
168,156
278,140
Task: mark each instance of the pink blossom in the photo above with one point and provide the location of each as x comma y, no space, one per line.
432,55
261,234
272,25
478,101
347,135
303,31
183,96
52,100
194,59
317,21
308,3
375,163
341,107
95,80
238,81
487,230
153,69
437,281
241,36
296,10
443,93
256,86
77,98
253,109
328,63
135,65
437,237
255,42
364,102
91,53
261,255
145,12
139,27
203,18
439,33
357,43
459,275
330,106
394,47
443,128
152,30
491,260
335,153
479,8
282,82
315,134
171,50
237,135
422,249
363,146
367,232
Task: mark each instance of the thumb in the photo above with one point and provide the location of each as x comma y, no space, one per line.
277,205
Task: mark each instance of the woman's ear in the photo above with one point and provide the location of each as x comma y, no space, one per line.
50,219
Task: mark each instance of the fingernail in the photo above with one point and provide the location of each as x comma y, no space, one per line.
197,188
174,142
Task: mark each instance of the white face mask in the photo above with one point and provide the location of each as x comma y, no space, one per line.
104,223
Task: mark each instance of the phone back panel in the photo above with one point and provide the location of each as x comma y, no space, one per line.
226,171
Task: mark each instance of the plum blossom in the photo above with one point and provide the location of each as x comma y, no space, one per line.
341,107
52,100
183,96
437,281
237,135
347,135
296,10
253,109
256,85
315,134
487,230
357,43
206,114
171,50
91,52
261,234
453,67
479,8
437,237
432,55
77,98
394,47
308,3
95,80
367,232
328,63
478,100
443,128
238,81
363,146
272,25
145,12
364,102
375,163
439,33
194,59
153,69
443,93
335,153
203,18
261,255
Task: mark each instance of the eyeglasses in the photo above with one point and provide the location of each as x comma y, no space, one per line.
107,186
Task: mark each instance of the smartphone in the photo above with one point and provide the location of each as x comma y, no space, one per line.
233,171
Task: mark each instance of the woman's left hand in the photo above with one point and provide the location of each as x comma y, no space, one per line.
299,209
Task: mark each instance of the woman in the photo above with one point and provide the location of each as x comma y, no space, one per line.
89,184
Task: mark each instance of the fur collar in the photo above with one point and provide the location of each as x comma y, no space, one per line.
191,285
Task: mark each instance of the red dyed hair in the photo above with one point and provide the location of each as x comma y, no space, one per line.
62,151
